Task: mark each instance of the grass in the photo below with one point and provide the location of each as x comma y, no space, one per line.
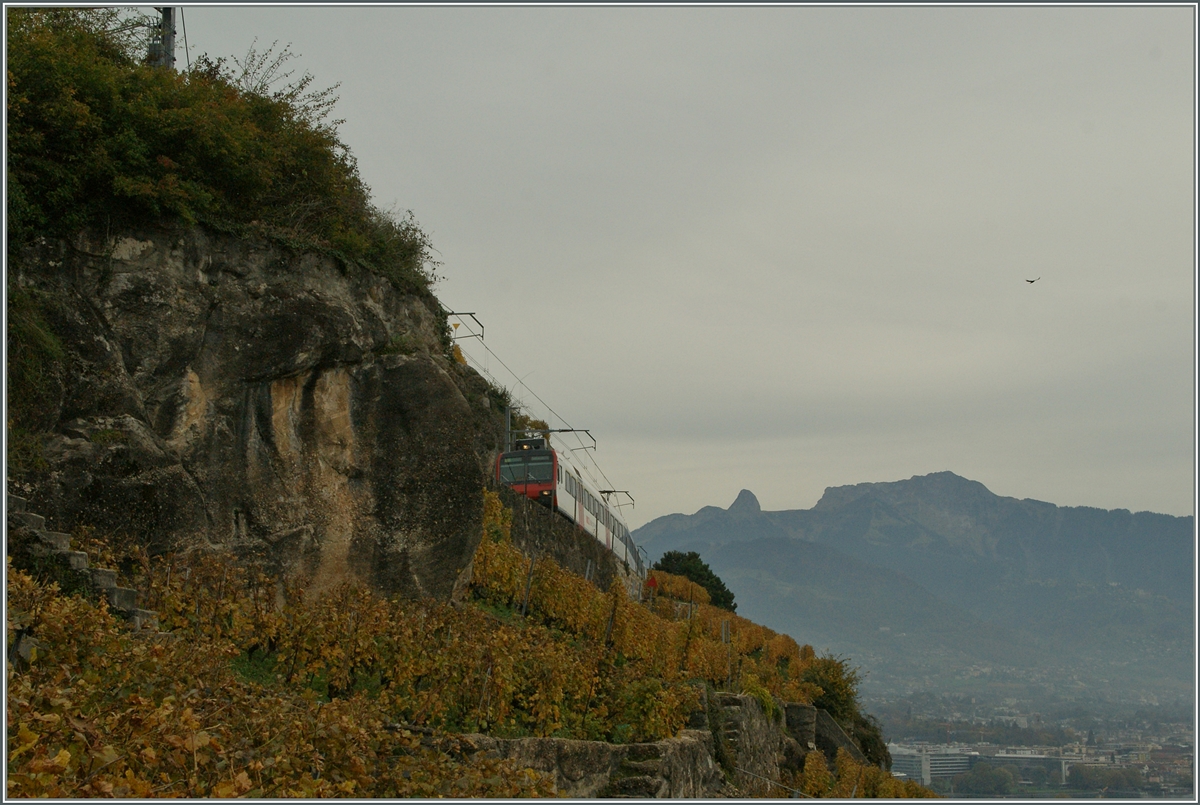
256,666
109,436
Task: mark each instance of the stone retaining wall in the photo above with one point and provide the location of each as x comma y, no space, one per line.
754,746
48,555
538,531
682,767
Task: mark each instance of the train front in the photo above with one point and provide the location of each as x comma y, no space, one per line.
531,470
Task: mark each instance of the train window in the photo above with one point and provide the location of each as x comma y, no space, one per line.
526,468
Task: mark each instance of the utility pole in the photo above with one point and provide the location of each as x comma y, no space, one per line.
162,47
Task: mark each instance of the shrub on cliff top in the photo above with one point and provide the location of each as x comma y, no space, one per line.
99,139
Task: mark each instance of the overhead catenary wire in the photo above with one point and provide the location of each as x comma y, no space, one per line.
582,446
188,56
558,416
520,382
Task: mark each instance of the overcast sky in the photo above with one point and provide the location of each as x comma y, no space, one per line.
787,248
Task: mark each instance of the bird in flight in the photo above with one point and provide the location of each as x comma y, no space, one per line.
1033,280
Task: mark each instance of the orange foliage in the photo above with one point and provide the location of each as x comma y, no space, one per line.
658,636
680,588
101,712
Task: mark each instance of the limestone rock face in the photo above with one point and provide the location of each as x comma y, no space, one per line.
224,392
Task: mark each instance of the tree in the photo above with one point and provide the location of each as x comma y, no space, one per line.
837,685
1091,777
868,734
691,566
839,688
986,780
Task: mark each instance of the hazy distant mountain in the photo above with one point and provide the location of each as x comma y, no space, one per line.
744,520
937,523
970,579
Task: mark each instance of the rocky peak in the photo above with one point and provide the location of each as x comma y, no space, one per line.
746,503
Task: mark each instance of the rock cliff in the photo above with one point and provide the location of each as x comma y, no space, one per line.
218,391
208,391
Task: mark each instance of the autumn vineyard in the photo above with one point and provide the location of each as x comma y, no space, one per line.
256,688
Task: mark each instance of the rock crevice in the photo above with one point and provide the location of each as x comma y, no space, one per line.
226,392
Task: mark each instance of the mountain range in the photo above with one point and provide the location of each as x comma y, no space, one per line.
937,583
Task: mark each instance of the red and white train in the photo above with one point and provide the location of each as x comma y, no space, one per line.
548,476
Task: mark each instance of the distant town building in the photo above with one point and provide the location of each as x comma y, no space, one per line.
924,763
1025,757
912,765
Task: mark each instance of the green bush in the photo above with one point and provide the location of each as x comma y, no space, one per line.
35,356
691,566
34,380
99,139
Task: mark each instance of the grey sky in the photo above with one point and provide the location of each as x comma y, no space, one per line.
786,248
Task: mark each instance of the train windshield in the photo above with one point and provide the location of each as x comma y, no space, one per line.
527,467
